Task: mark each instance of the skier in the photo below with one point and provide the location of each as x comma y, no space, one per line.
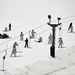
9,26
39,40
5,29
50,39
14,49
71,27
60,42
26,42
21,36
33,34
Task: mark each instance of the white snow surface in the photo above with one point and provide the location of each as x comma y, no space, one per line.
25,15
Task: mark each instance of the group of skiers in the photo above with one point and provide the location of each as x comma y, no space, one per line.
32,35
60,39
5,35
50,39
9,29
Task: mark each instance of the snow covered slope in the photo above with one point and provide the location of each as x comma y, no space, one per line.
24,16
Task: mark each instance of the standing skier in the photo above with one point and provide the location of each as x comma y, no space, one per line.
60,42
9,26
71,27
14,49
5,28
33,34
21,36
26,43
50,39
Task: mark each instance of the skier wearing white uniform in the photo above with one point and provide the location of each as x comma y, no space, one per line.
21,36
60,42
14,49
50,39
33,34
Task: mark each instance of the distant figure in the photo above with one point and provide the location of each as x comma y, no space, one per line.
14,49
39,40
71,27
21,36
9,26
30,34
5,28
50,39
5,35
60,42
33,34
26,43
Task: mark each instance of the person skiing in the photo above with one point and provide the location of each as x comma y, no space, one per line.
71,27
14,49
21,36
50,39
39,40
9,26
60,42
26,43
33,34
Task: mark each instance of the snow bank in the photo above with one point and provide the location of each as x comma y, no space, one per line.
63,63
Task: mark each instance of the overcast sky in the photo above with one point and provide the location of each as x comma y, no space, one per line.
31,12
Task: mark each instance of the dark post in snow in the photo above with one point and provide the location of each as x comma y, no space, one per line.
4,60
59,27
52,48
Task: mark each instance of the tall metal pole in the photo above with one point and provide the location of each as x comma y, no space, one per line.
4,60
53,36
3,63
52,48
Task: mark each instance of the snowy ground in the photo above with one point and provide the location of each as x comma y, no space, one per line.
36,60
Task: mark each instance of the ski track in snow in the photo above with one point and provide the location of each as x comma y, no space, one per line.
55,71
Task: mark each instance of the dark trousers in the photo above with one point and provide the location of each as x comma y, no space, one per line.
26,45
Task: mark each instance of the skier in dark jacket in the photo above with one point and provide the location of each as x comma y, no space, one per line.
71,27
9,26
26,43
